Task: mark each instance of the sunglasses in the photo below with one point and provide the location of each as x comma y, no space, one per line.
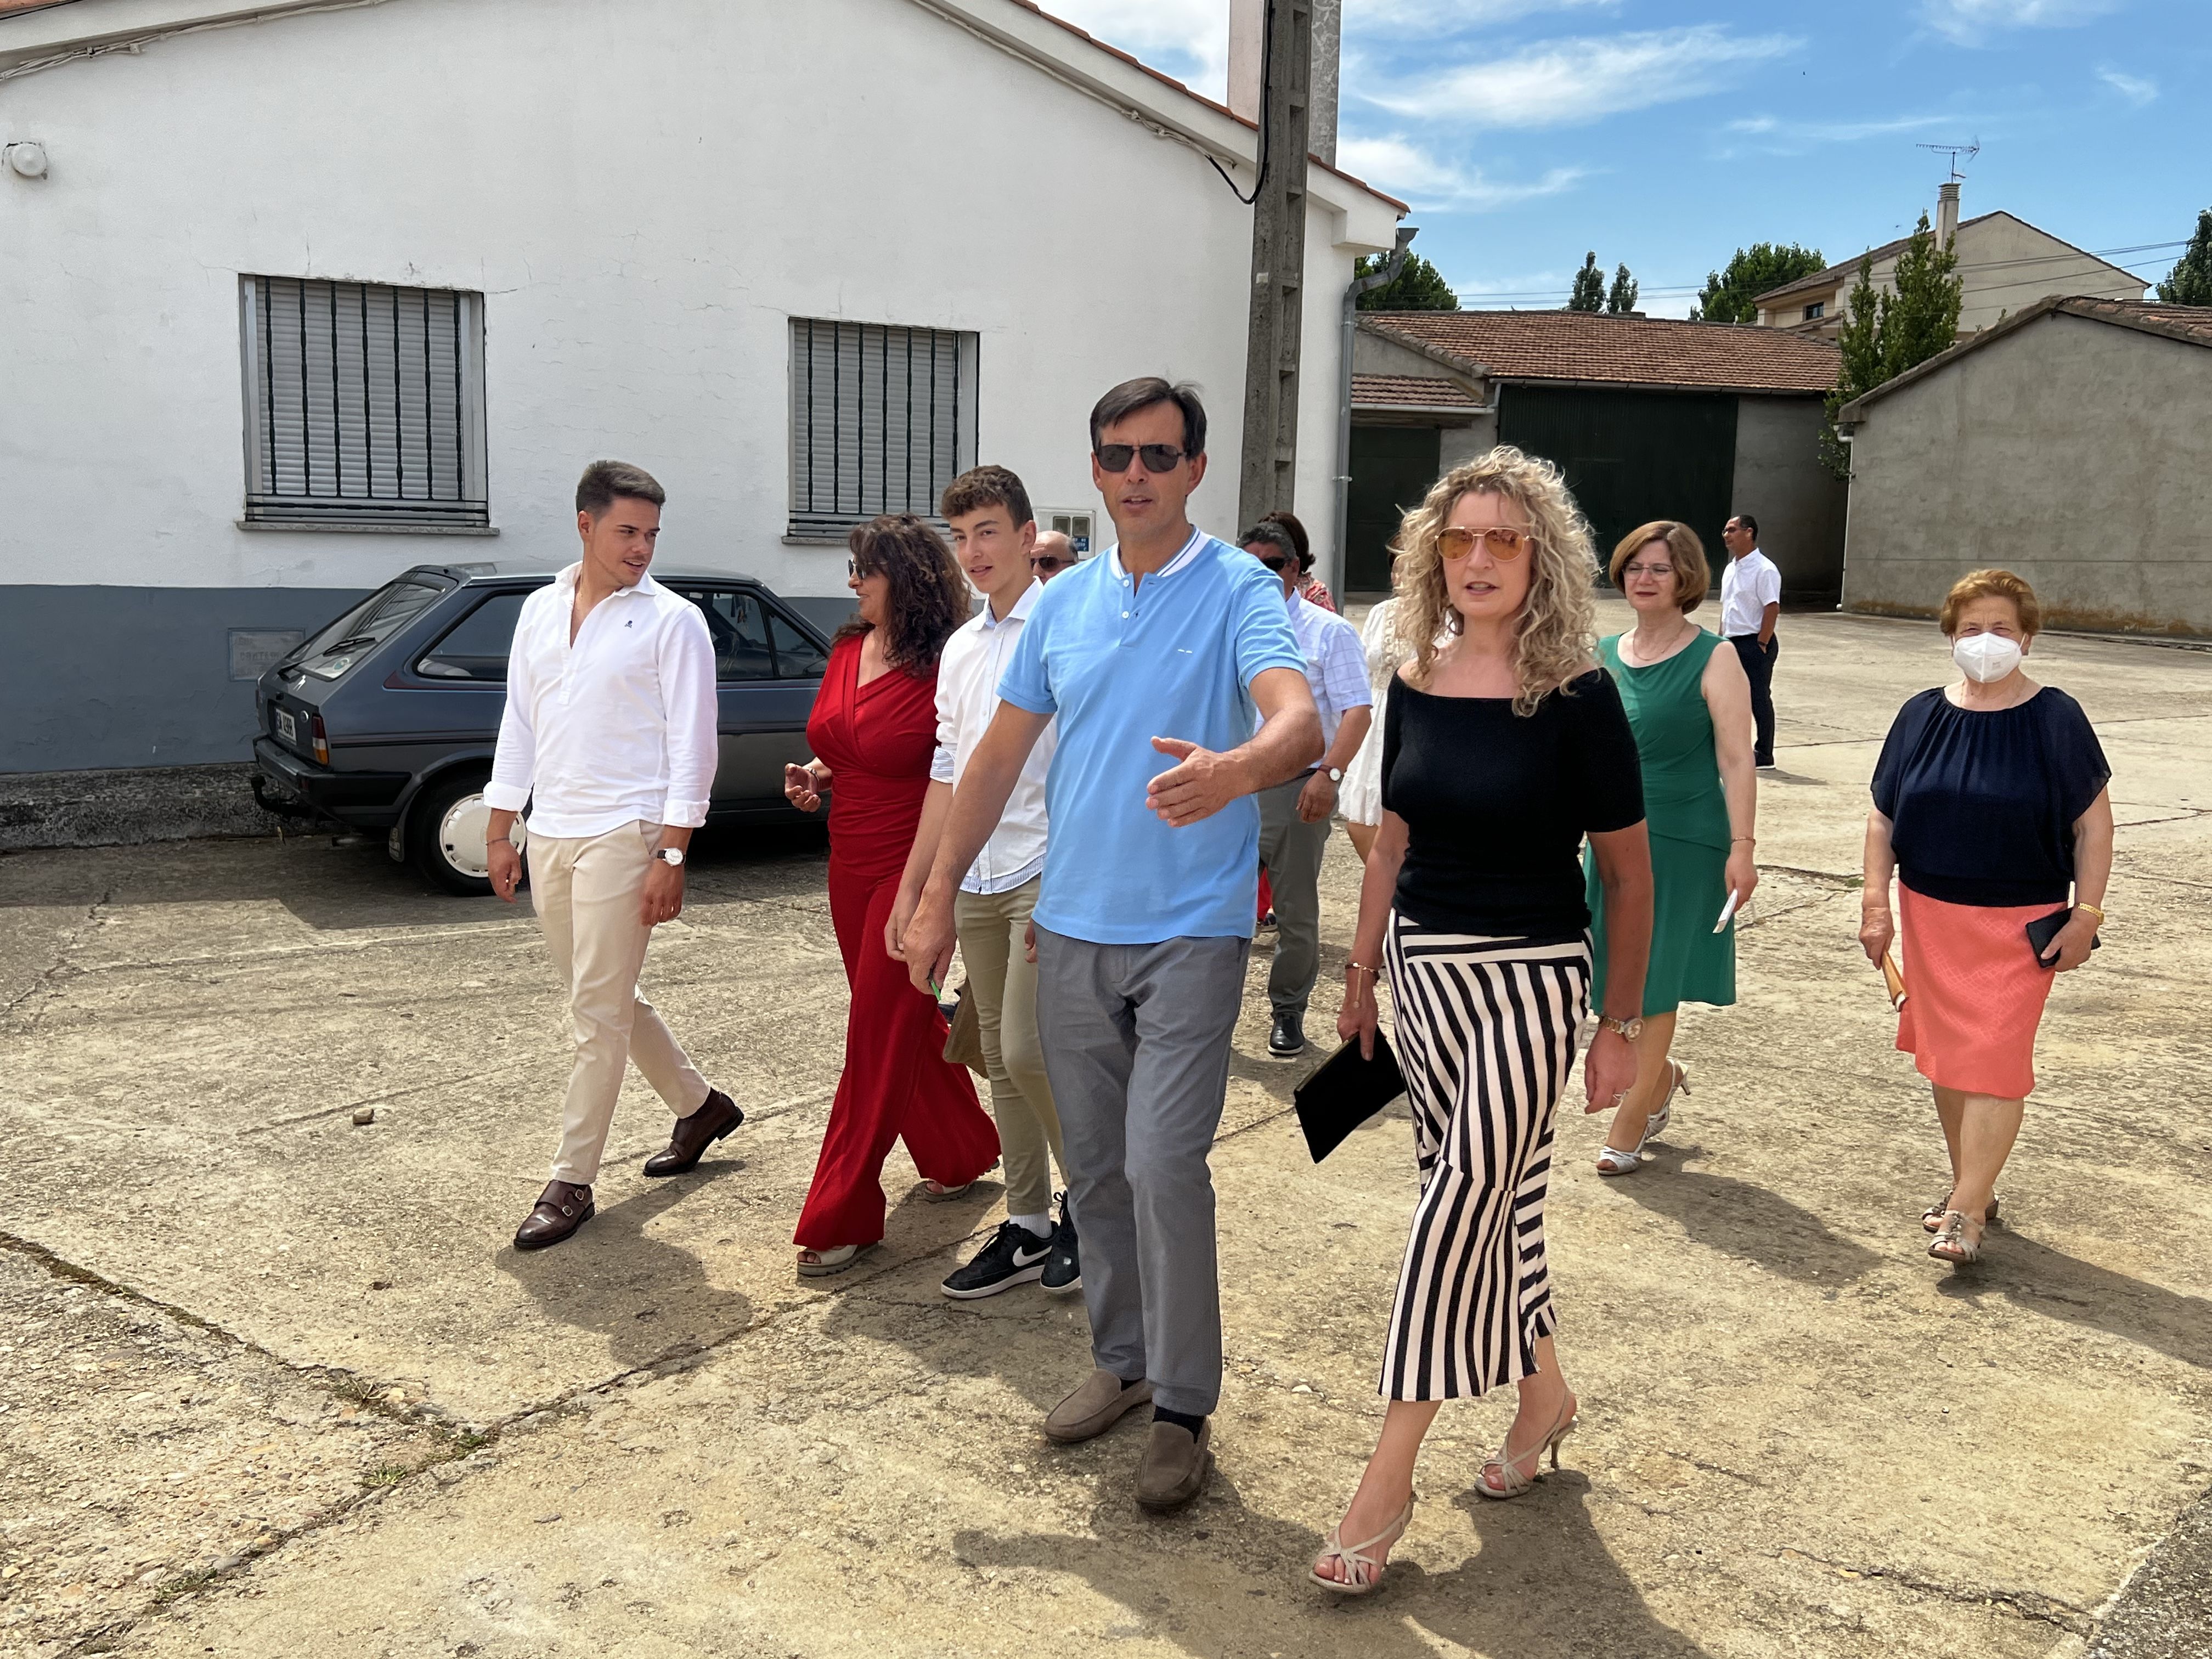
1505,542
1157,457
1275,561
853,569
1049,564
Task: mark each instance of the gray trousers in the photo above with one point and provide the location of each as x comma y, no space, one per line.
1136,1042
1292,852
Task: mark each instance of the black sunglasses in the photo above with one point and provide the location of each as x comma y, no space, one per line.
1157,457
1275,561
1050,563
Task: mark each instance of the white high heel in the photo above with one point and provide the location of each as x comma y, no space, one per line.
1618,1161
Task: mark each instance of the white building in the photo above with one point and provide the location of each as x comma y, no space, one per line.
298,294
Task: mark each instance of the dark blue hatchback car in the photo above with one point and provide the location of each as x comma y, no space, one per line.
386,719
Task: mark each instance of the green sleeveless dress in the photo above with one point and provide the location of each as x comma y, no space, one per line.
1687,814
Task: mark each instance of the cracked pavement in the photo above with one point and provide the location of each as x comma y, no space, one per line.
272,1383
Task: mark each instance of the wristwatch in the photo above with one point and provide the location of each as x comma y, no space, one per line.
1631,1029
1336,774
670,855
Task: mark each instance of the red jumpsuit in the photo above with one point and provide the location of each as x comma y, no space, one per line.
878,741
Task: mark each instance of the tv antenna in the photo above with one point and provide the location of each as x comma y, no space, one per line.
1957,152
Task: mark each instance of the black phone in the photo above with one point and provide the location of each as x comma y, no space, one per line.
2044,929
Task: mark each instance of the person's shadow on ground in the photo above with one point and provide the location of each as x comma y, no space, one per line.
1745,1221
1225,1583
649,1299
2035,1277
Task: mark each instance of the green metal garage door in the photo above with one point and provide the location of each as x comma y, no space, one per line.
1392,468
1630,456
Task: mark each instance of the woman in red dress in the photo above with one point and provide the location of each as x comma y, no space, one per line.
874,731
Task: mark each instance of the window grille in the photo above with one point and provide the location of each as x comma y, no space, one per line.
364,405
882,419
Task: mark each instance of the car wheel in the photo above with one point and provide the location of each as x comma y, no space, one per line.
446,836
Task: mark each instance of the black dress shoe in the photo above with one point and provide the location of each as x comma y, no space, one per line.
1287,1036
561,1208
693,1135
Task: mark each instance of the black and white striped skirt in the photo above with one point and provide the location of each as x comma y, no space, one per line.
1486,1032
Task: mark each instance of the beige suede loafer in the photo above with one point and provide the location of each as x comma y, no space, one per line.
1174,1468
1095,1407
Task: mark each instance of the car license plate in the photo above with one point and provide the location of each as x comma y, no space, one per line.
287,728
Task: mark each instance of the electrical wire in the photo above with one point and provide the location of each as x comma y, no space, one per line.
1267,107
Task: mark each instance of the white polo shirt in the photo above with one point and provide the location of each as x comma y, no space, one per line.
1748,586
967,673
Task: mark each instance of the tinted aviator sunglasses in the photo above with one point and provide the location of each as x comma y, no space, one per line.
1456,541
1157,457
1050,564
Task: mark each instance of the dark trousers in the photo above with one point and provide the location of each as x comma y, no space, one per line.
1759,665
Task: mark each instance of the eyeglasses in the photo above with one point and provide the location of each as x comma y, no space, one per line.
1456,541
1652,570
1049,564
1157,457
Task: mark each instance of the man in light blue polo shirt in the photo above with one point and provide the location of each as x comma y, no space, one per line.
1158,658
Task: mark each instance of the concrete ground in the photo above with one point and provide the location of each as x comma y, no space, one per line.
272,1382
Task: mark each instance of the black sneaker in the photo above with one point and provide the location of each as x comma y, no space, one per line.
1288,1035
1015,1255
1063,1269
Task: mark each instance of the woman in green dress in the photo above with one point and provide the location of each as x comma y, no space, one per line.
1689,704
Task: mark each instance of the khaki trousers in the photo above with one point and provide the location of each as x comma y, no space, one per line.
990,927
588,893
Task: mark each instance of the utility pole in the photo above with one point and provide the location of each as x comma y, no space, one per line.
1270,457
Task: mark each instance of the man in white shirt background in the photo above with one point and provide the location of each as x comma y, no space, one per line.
1295,815
609,735
1751,603
1052,553
995,539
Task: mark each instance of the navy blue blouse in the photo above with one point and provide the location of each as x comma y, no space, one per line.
1982,802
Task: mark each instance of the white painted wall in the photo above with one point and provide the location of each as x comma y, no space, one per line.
644,194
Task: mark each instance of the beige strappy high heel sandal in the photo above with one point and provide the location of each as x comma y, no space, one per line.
1363,1571
1501,1477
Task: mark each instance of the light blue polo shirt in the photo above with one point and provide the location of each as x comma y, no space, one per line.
1119,663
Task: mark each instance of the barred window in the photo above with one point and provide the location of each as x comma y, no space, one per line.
364,405
882,419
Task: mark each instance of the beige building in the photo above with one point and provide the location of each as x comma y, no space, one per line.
2005,265
2066,443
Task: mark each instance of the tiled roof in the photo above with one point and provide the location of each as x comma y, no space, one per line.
1844,272
1417,391
1589,346
2191,324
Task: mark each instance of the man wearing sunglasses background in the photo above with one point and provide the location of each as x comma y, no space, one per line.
1054,553
1179,691
1295,814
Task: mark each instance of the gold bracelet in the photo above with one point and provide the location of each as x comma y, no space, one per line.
2091,908
1359,967
1753,840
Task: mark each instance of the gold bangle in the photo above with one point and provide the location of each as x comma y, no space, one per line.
1753,840
1359,967
2091,908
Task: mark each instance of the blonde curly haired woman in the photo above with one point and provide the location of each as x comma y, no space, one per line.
1504,745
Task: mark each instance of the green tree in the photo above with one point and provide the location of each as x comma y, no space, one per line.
1622,299
1419,286
1884,334
1589,287
2190,282
1729,295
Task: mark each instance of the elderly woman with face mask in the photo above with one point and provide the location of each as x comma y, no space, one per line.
1990,807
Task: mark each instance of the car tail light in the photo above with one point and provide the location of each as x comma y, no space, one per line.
321,739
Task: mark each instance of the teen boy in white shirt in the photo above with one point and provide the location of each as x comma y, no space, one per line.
994,536
610,729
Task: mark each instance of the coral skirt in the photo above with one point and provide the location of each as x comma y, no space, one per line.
1974,993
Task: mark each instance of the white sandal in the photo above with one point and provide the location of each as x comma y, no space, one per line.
1618,1161
1363,1571
836,1259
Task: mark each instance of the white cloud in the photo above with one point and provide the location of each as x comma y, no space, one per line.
1430,17
1187,38
1768,135
1571,81
1971,22
2135,88
1434,185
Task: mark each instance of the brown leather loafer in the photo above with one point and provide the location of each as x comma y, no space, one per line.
688,1143
1095,1407
561,1208
1173,1470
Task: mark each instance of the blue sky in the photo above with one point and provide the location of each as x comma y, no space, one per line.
1666,133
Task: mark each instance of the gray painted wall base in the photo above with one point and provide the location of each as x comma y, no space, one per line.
123,808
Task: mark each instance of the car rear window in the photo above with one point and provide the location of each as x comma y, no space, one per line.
368,625
476,647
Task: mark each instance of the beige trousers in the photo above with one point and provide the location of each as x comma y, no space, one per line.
990,927
588,893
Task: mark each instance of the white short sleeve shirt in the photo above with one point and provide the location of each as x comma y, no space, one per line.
1748,586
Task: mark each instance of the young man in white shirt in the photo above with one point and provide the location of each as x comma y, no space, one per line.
994,536
1751,602
610,731
1295,815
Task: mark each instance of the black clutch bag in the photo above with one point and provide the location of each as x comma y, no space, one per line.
1344,1092
2044,929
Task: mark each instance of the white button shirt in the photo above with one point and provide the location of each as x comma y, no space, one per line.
617,728
967,673
1336,665
1748,586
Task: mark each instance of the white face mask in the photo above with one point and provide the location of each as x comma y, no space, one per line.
1985,657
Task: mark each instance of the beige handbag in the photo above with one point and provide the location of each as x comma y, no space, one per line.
963,1040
